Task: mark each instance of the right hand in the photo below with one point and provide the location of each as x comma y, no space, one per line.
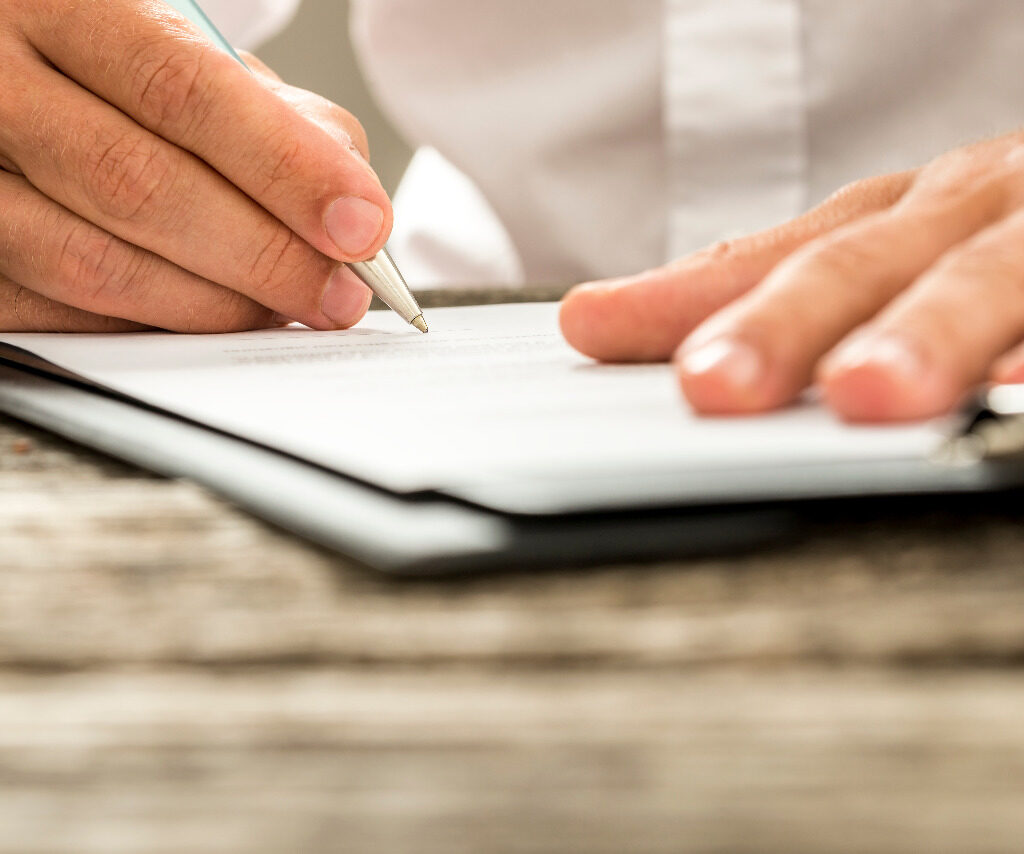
149,180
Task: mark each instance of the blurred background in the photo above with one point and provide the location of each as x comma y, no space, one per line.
314,52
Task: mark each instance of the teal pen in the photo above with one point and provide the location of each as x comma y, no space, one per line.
380,273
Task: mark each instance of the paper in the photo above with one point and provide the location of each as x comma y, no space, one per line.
492,394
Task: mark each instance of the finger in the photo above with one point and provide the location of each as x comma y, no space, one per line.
1009,368
153,65
336,120
759,353
941,337
56,254
22,310
152,194
643,318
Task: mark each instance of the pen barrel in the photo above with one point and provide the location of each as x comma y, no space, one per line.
381,275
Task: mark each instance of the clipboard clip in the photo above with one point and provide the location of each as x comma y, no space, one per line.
993,430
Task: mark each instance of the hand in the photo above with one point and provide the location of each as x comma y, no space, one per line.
149,180
898,294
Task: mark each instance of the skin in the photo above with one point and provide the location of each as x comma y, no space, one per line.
896,296
149,180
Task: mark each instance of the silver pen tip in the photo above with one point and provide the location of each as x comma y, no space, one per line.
419,323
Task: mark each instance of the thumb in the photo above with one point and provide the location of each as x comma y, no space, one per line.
643,318
337,121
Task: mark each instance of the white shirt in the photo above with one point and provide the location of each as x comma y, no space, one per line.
571,139
248,23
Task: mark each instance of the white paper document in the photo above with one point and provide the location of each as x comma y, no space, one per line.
491,395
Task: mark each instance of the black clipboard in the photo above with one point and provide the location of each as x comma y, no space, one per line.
431,533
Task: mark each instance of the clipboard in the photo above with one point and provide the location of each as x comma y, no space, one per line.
446,534
440,535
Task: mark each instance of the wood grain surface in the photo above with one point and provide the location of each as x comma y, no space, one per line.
176,676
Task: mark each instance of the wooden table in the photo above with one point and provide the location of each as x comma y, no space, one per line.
176,676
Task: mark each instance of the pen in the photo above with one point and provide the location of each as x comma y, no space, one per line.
380,273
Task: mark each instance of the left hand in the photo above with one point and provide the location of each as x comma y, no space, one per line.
897,295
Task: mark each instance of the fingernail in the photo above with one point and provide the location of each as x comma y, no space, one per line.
354,225
733,361
886,351
345,298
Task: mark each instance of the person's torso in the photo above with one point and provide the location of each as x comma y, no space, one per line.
611,135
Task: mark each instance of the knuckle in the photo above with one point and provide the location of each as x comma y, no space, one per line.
844,255
354,127
280,261
94,267
965,162
23,310
170,86
19,310
877,248
857,267
985,262
866,194
229,312
283,163
848,192
884,186
716,253
127,175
